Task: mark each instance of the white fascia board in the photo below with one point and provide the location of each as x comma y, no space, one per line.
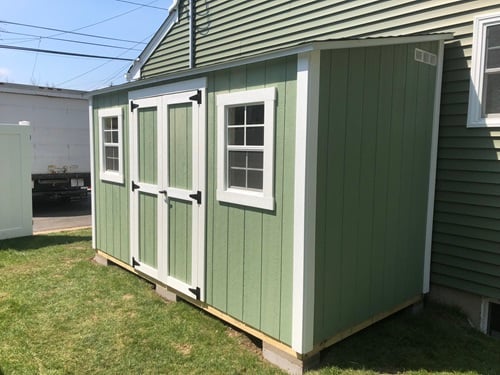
304,237
295,50
15,88
432,170
134,71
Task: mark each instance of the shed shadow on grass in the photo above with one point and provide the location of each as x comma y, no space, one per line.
438,339
41,241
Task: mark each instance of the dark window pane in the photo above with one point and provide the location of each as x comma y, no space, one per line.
256,160
107,123
492,93
107,137
237,159
493,36
237,178
493,59
236,136
255,114
114,123
115,137
255,180
255,136
236,115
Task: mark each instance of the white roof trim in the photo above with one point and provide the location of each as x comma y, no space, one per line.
301,48
16,88
134,71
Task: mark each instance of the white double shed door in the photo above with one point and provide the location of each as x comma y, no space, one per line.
167,195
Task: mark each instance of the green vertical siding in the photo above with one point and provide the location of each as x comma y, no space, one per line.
148,228
375,124
147,144
179,237
112,199
180,146
249,251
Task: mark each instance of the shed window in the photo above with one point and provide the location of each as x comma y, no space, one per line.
246,148
484,94
110,126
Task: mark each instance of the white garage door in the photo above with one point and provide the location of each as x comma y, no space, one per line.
15,188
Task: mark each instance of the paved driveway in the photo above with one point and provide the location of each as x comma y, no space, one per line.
59,215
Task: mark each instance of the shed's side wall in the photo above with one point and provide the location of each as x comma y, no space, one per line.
250,251
375,126
111,199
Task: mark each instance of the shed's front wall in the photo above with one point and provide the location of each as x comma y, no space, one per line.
249,251
375,128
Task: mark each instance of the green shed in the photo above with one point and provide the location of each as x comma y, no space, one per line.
289,193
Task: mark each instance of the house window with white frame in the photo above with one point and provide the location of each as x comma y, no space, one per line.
245,126
110,130
484,94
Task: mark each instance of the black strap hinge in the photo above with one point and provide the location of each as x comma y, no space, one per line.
133,106
135,262
134,186
196,196
196,292
196,97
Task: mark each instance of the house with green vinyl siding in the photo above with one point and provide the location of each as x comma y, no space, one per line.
277,164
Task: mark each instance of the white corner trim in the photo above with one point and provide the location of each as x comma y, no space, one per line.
92,172
304,241
432,170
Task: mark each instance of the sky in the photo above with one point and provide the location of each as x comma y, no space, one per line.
114,28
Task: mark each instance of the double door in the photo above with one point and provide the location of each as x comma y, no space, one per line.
167,161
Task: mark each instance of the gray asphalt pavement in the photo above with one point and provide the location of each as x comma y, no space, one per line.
60,215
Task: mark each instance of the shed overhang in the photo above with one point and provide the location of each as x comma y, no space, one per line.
298,49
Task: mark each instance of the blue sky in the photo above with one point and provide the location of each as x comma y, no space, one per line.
118,19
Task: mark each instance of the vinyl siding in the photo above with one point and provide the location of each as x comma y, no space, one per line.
173,53
112,199
375,126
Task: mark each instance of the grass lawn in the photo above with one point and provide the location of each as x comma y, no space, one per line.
62,314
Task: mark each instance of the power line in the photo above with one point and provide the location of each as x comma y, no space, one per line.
144,5
69,40
63,53
70,32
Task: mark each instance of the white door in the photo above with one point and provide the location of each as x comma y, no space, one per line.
168,204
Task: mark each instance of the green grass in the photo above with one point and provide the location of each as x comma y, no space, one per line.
60,313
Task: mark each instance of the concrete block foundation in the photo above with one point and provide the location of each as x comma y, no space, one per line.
166,294
287,362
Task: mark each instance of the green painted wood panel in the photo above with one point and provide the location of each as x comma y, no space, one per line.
148,228
112,199
180,146
249,251
147,139
179,240
375,125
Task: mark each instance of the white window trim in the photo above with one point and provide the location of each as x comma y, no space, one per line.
475,118
265,198
105,175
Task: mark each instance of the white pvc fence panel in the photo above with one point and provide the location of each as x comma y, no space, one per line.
15,181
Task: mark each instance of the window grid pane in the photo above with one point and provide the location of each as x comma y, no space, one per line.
112,160
246,169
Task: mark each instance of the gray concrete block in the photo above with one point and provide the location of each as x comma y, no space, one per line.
287,362
166,294
99,259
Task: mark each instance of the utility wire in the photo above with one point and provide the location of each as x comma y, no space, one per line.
70,32
63,53
144,5
69,40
